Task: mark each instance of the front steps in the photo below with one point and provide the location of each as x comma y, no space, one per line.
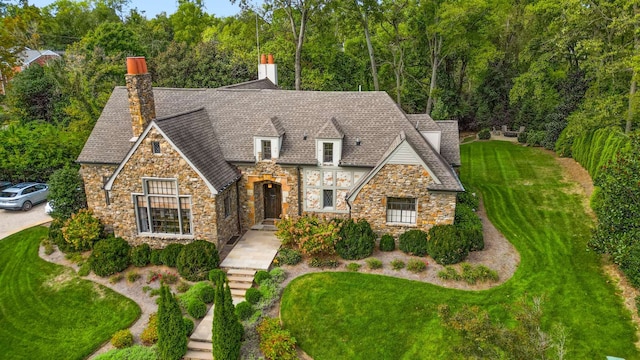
199,350
239,281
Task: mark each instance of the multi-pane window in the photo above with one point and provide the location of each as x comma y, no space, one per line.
327,152
155,147
266,149
161,209
327,198
227,206
401,210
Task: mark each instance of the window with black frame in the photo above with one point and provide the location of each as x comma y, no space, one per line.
161,209
401,210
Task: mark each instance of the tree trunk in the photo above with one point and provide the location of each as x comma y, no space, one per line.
632,95
374,70
435,62
298,64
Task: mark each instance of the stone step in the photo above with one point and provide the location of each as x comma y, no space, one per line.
237,278
200,346
243,272
238,292
198,355
239,285
237,299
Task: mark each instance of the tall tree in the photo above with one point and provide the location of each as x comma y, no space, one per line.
172,336
227,331
190,21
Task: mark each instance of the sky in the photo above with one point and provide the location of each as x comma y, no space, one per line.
151,8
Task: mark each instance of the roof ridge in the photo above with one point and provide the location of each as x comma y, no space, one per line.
168,117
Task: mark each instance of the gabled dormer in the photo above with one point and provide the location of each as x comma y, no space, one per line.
267,141
329,144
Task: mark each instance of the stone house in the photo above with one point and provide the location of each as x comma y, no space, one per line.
165,165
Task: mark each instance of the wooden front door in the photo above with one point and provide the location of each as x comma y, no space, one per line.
272,201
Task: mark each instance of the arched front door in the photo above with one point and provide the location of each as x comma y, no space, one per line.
272,201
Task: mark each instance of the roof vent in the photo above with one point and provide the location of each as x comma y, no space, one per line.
357,141
304,136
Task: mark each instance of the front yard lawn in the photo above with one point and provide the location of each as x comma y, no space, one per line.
360,316
47,311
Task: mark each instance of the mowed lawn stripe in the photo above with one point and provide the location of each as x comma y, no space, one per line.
47,310
361,316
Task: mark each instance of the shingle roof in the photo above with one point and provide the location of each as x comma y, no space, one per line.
193,134
271,127
450,142
253,85
235,115
330,130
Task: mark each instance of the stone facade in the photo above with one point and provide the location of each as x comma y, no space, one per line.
141,102
403,181
94,177
251,197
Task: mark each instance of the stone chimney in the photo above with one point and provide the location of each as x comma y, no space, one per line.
268,69
141,104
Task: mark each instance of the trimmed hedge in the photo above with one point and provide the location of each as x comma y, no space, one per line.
155,257
446,246
594,149
189,325
387,243
196,308
140,255
197,259
203,291
109,256
357,240
414,242
169,254
469,226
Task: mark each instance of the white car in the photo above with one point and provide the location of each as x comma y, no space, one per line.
48,208
23,196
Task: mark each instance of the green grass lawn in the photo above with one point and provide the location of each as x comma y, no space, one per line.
360,316
47,311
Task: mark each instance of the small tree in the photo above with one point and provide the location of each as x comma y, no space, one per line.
227,330
66,192
172,337
82,230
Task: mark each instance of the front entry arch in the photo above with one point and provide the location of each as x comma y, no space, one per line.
272,193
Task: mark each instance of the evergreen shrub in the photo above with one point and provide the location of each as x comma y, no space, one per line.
122,339
197,259
169,254
261,276
189,325
446,246
484,134
253,296
288,256
469,227
155,258
357,240
244,310
414,242
387,243
140,255
109,256
216,276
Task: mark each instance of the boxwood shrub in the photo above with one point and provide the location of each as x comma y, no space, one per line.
140,255
197,259
188,325
109,256
155,257
122,339
288,256
468,198
253,296
244,310
484,134
414,242
169,254
446,246
357,240
203,291
387,243
261,276
196,308
469,227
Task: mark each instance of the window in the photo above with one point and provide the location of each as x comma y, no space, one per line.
266,149
327,152
401,210
327,198
227,206
161,209
155,147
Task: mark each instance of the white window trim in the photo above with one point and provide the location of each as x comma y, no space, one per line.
275,147
337,151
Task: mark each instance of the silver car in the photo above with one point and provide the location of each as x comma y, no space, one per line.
23,196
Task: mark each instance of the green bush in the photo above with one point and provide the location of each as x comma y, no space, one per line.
594,149
136,352
449,273
203,291
149,335
140,255
277,275
85,269
446,246
276,343
197,259
470,274
56,236
188,325
630,264
244,310
122,339
169,255
416,266
311,234
484,134
469,227
357,240
374,263
522,137
414,242
323,263
133,276
109,256
353,267
468,198
253,296
261,276
156,257
397,264
216,276
535,137
387,243
82,230
66,192
196,308
288,256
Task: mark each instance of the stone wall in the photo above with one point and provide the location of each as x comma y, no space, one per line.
94,177
227,226
408,181
253,176
141,102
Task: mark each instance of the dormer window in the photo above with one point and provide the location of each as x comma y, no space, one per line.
327,152
266,149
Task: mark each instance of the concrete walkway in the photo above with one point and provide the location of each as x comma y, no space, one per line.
255,250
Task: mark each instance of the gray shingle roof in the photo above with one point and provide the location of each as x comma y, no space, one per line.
450,142
372,117
253,84
330,130
193,134
271,127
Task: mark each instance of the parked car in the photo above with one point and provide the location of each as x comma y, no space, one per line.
23,196
5,184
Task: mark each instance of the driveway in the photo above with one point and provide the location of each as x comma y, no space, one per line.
14,221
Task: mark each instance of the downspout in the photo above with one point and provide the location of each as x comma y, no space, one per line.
299,192
238,207
346,198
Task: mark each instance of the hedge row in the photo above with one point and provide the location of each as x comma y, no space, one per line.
595,148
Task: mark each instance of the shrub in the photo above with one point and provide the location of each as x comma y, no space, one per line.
196,308
484,134
261,276
468,198
203,291
188,325
82,230
66,192
276,343
311,234
253,296
481,273
116,278
630,264
140,255
149,335
446,246
183,287
216,276
169,254
397,264
277,275
109,256
416,266
244,310
374,263
353,267
56,236
323,263
469,227
47,245
197,259
387,243
357,240
449,273
156,257
522,137
136,352
133,276
414,242
288,256
535,137
122,339
85,269
172,339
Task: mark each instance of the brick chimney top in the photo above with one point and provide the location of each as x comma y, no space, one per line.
141,103
136,65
